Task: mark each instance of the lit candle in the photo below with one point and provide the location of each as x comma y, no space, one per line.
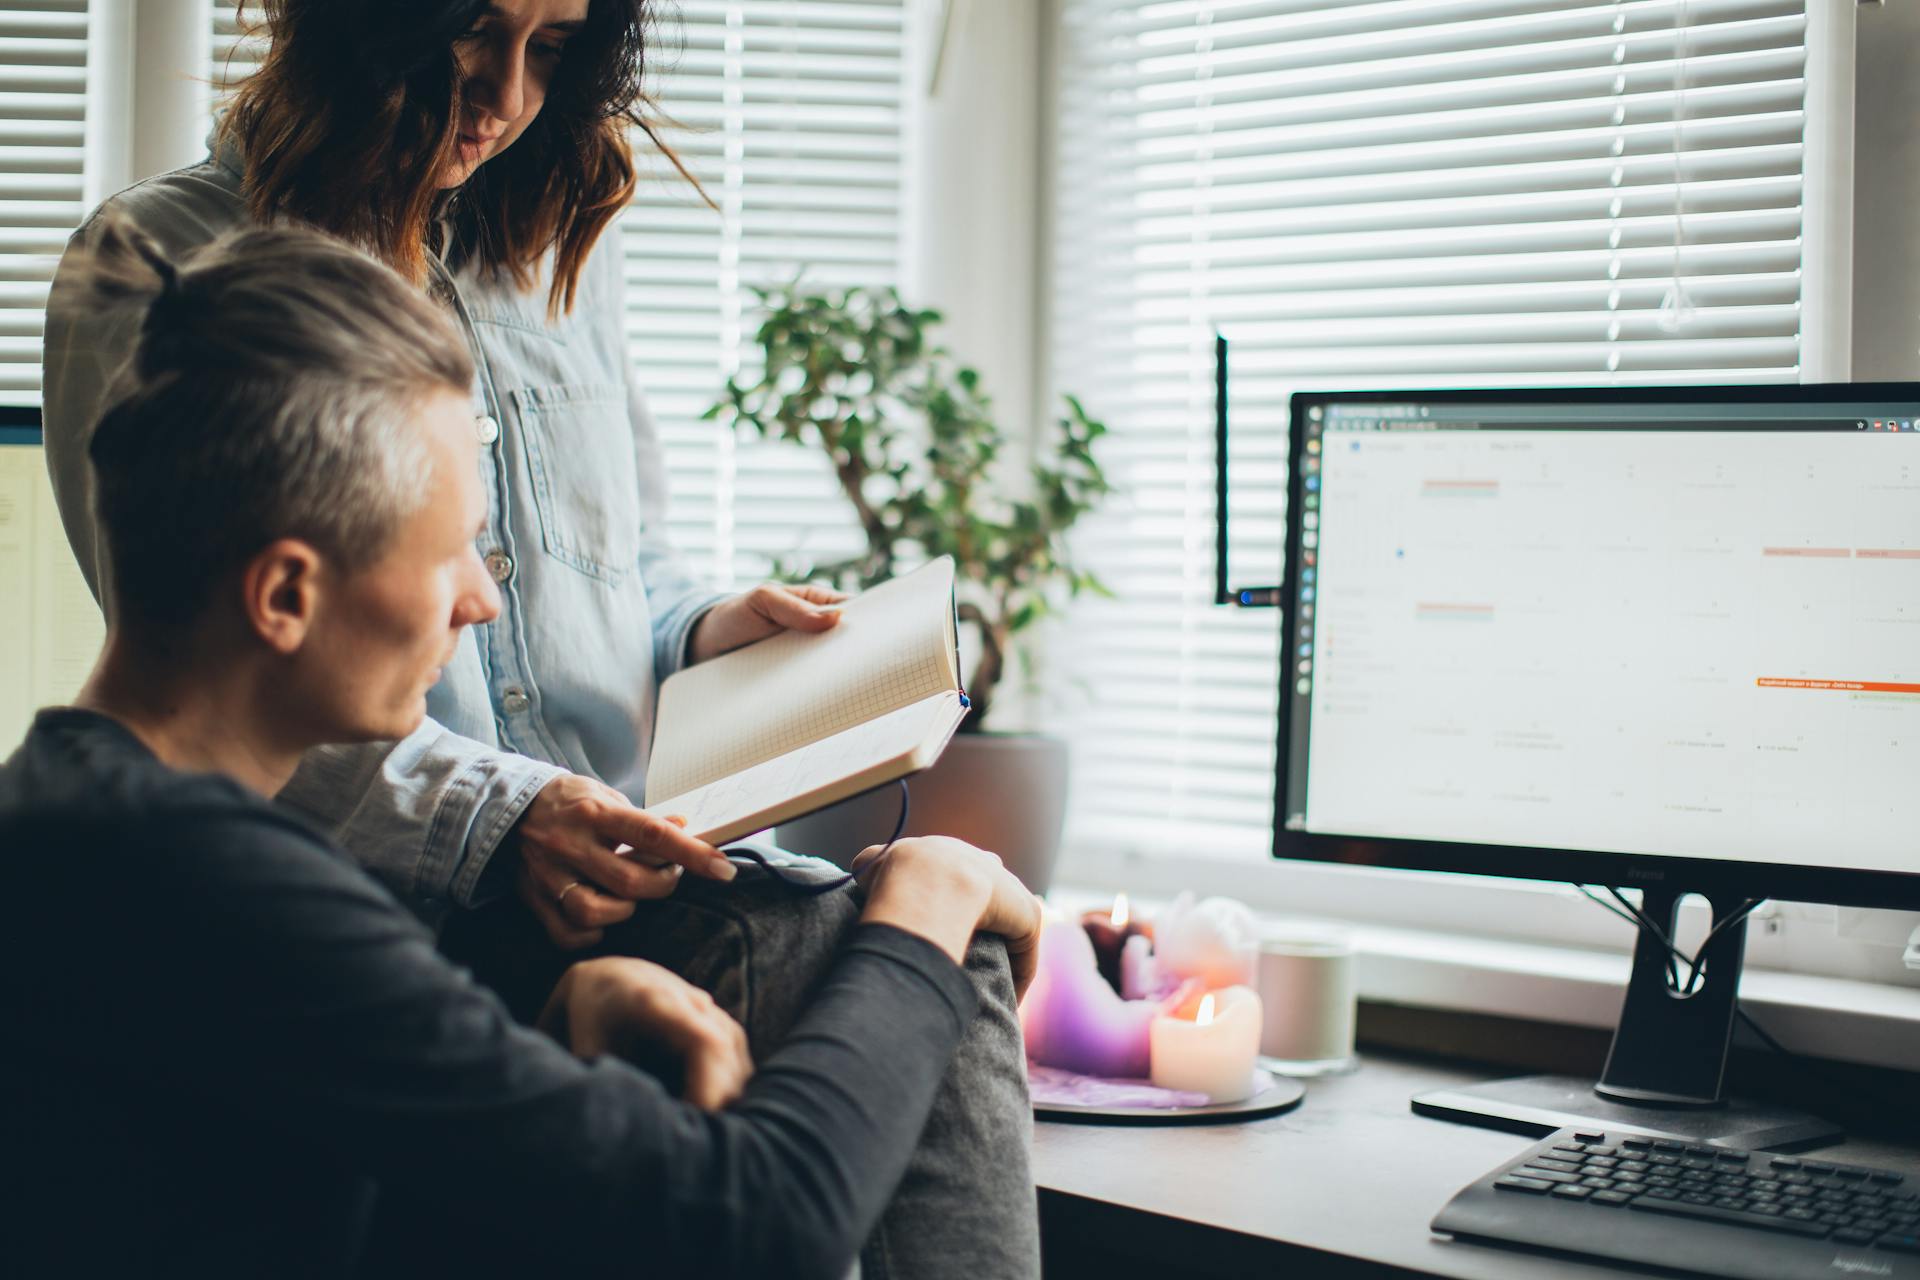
1073,1020
1110,931
1208,1045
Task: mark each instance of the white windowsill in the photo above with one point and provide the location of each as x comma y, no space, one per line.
1870,1023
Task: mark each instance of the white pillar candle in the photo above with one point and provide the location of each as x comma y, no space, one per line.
1208,1045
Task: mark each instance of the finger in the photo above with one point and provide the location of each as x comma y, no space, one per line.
1025,963
660,838
787,608
609,875
818,593
717,1066
553,1015
864,859
562,931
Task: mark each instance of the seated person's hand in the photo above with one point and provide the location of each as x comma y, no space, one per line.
654,1019
943,889
587,854
769,608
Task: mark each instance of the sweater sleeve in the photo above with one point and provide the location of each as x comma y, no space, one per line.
357,1036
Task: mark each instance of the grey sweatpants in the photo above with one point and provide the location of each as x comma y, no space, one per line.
965,1207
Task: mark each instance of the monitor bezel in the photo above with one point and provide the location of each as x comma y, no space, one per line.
1714,877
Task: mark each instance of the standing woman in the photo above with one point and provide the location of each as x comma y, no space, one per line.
483,151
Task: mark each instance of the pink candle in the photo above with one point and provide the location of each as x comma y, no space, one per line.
1073,1020
1141,976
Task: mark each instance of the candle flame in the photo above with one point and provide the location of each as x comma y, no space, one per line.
1205,1015
1120,914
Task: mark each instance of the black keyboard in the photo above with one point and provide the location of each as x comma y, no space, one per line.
1681,1206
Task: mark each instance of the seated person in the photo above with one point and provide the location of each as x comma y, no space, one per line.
241,1055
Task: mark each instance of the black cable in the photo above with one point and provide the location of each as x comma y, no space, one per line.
1816,1066
808,886
1633,915
1694,962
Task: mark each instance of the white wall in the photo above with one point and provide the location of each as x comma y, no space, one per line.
1886,204
973,191
149,89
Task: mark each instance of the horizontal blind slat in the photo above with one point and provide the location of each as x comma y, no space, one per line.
1388,193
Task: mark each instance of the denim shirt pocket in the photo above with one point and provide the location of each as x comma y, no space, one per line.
580,456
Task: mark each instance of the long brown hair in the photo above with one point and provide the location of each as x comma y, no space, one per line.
355,112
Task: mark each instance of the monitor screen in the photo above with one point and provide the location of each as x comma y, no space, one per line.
50,627
1589,635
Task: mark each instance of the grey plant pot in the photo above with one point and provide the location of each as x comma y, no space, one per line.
1001,791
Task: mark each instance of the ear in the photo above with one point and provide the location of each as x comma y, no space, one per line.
280,591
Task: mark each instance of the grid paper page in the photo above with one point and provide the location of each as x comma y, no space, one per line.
892,648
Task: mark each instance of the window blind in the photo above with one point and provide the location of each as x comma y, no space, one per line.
790,114
1370,193
43,80
239,42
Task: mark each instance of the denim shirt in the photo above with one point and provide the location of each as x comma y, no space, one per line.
595,609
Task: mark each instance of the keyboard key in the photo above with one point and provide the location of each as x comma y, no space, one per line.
1785,1162
1734,1202
1801,1215
1573,1193
1609,1197
1597,1184
1602,1163
1899,1242
1730,1157
1636,1144
1545,1175
1558,1166
1875,1225
1664,1145
1634,1166
1663,1158
1580,1136
1696,1162
1853,1175
1853,1235
1654,1204
1888,1179
1603,1151
1575,1148
1513,1182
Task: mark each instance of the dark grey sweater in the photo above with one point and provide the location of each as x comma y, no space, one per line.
225,1048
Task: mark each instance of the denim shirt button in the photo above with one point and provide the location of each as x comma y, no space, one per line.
514,701
486,429
499,566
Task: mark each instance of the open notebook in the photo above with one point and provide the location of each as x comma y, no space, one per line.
771,732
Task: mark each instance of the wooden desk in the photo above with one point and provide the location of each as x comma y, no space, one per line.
1342,1186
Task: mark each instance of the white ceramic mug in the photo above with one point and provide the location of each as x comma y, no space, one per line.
1308,987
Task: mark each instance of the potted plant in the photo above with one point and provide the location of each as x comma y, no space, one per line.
911,438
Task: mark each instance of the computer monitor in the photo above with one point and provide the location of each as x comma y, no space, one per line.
50,627
1665,638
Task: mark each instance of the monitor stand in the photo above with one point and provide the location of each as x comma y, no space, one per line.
1666,1072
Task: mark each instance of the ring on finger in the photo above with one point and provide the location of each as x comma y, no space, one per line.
560,899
